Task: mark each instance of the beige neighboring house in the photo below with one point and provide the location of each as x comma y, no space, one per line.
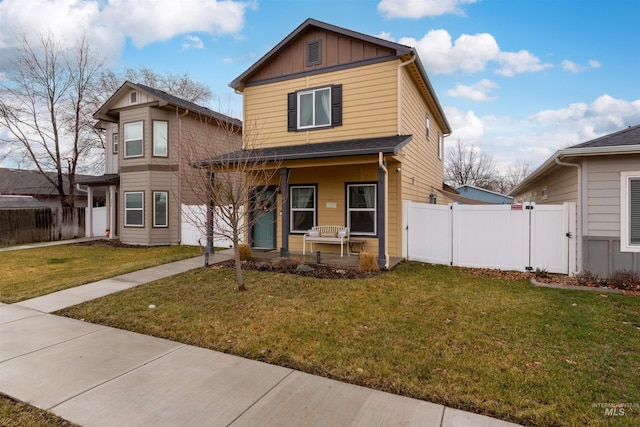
148,133
356,128
602,177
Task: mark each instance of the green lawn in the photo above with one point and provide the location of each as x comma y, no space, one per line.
506,349
17,414
29,273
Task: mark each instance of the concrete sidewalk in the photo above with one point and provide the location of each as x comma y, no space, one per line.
100,376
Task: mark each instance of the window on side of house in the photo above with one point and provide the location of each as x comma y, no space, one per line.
303,208
316,108
114,139
440,145
160,209
630,211
133,140
361,209
428,125
160,134
544,193
134,209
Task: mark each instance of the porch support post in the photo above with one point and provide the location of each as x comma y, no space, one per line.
286,216
88,227
380,204
112,212
210,213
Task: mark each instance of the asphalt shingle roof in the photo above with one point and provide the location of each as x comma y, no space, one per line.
20,202
353,147
629,136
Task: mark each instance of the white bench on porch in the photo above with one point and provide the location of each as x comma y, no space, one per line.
329,234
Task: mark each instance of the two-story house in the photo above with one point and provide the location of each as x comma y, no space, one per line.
356,128
149,137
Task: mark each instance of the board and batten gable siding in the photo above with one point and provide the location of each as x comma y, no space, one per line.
369,107
336,49
422,170
603,192
124,101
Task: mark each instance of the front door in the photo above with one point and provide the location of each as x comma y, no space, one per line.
264,224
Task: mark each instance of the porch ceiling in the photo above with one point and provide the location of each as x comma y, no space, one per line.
321,150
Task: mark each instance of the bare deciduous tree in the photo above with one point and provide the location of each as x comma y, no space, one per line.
43,107
232,182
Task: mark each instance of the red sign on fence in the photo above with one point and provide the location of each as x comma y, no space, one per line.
516,207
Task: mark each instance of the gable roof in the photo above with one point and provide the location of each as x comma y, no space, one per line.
399,49
164,98
32,183
353,147
20,202
625,141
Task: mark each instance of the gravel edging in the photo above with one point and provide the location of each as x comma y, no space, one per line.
579,288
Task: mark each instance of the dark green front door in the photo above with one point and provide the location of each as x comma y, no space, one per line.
264,228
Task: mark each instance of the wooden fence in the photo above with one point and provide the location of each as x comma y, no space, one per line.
26,226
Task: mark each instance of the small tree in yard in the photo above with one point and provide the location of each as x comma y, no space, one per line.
226,178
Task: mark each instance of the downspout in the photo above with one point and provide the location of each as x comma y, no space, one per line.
386,209
578,210
402,64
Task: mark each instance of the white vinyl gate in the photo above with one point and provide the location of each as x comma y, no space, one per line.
507,237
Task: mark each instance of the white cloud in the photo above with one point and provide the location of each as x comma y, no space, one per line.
477,92
519,62
421,8
385,36
469,53
108,23
192,42
571,66
594,64
466,125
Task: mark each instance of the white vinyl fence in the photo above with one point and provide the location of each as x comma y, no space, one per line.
194,227
507,237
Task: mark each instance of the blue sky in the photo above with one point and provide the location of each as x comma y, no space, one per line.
518,79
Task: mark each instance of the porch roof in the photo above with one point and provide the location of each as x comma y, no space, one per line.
107,179
352,147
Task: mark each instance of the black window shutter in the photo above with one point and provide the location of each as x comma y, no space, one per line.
336,105
292,115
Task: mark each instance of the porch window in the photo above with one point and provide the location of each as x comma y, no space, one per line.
160,209
133,142
630,211
316,108
160,132
361,208
134,209
303,207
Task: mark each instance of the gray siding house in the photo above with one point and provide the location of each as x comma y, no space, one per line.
602,177
149,135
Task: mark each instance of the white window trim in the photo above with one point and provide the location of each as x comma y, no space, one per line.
166,210
625,243
124,154
166,141
292,209
440,145
133,209
299,108
374,210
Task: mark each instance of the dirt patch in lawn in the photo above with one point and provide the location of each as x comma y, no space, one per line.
113,243
290,266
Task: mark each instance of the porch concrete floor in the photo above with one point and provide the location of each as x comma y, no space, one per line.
325,258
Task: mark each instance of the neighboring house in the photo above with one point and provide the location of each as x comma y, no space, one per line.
20,202
356,128
483,195
150,135
32,183
602,177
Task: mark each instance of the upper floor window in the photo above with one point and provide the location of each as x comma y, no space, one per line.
160,132
115,143
361,208
133,142
630,211
303,207
315,108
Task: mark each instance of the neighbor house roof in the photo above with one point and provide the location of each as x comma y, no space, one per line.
626,141
400,50
164,98
32,183
20,202
353,147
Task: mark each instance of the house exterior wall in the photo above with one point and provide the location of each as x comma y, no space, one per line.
561,185
369,107
111,158
422,168
602,232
